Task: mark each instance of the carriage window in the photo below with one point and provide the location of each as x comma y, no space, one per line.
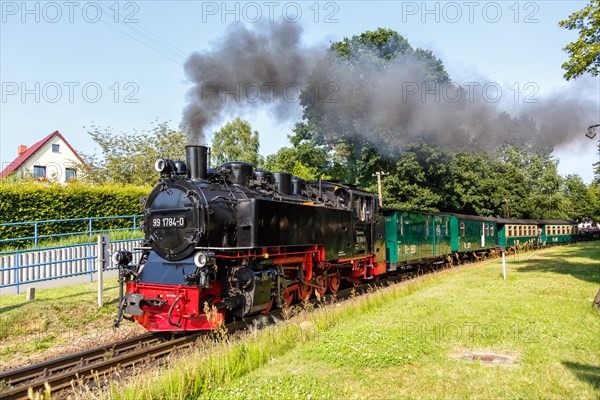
492,230
462,229
369,209
356,207
510,231
487,230
446,227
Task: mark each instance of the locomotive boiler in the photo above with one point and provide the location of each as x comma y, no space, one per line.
233,241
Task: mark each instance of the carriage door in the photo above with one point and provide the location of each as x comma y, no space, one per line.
483,234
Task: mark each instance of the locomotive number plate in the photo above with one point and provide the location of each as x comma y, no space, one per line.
168,222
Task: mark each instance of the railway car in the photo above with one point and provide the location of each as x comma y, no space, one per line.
472,235
518,232
558,231
416,237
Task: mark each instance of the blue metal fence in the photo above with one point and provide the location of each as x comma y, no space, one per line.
32,265
36,226
29,266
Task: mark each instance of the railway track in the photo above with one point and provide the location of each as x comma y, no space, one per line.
59,373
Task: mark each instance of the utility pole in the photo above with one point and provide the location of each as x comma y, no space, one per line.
379,174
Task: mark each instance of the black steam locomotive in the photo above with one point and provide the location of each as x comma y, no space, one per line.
234,241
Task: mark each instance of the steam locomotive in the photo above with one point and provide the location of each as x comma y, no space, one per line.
234,241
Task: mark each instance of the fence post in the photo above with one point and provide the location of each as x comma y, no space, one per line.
90,227
102,260
35,234
17,271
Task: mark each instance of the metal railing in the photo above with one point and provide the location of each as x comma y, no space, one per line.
34,264
21,267
88,223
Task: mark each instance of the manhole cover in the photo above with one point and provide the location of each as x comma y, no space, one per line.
487,358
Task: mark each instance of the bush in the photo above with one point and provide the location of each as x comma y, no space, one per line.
32,201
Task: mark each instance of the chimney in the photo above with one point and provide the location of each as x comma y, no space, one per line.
197,161
22,149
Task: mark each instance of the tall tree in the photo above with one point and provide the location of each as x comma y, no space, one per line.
129,157
236,141
579,205
339,107
584,53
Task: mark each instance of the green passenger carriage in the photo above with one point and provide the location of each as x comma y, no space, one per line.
517,232
558,231
415,236
471,233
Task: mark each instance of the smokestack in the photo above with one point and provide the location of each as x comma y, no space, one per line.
21,149
197,161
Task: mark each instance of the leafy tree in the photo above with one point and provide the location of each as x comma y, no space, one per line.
288,160
236,141
579,204
594,199
584,53
597,169
128,158
342,118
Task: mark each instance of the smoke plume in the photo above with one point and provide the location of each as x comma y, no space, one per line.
384,104
245,69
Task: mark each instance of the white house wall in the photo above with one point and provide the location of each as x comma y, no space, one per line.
55,163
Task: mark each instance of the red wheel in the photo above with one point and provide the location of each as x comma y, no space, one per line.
321,281
333,283
287,297
266,310
304,292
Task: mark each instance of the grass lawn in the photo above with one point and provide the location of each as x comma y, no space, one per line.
57,317
409,341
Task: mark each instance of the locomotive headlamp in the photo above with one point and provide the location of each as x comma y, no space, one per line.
164,166
203,259
122,257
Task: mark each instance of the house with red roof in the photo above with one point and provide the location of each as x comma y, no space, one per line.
52,159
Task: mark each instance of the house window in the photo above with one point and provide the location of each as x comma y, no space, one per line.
55,148
39,171
70,174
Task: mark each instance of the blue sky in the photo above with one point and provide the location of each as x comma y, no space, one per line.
66,65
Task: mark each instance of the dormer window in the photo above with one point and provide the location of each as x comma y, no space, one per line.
55,148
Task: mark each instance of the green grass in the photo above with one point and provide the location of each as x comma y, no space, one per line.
57,316
406,341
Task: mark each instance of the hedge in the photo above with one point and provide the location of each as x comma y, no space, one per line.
24,202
